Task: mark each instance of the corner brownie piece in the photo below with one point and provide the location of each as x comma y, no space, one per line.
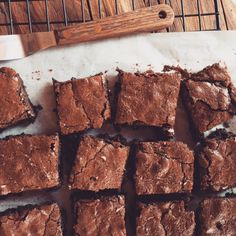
29,163
209,97
217,217
163,168
15,106
147,99
82,104
104,216
42,220
217,162
99,164
169,218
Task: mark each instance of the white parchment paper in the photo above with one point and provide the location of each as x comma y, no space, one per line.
189,50
148,51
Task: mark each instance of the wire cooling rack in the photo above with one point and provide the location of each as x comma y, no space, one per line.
182,16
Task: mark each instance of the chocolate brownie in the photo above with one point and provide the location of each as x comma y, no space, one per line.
209,97
42,220
147,99
163,168
100,217
217,217
169,218
217,162
29,163
82,104
99,164
15,106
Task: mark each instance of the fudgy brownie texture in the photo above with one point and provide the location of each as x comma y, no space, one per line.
217,217
147,99
163,219
99,164
29,163
42,220
100,217
217,162
163,168
209,97
82,104
15,106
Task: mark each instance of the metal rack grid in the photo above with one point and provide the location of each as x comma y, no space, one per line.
183,16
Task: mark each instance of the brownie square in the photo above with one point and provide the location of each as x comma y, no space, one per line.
29,163
15,106
217,217
163,168
100,217
169,218
42,220
147,99
82,104
99,164
209,97
217,162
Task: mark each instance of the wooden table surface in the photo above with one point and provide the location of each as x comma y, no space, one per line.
227,10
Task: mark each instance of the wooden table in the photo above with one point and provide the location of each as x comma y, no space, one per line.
227,10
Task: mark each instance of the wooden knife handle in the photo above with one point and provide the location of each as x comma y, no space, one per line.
141,20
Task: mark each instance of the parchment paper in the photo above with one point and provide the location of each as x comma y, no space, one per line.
148,51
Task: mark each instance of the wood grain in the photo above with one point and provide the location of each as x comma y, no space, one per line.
227,10
138,21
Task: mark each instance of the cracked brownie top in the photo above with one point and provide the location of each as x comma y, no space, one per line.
163,168
82,104
43,220
15,105
217,160
104,216
30,163
169,218
217,216
99,164
147,99
210,97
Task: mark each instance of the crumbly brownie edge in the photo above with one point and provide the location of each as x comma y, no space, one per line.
56,88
